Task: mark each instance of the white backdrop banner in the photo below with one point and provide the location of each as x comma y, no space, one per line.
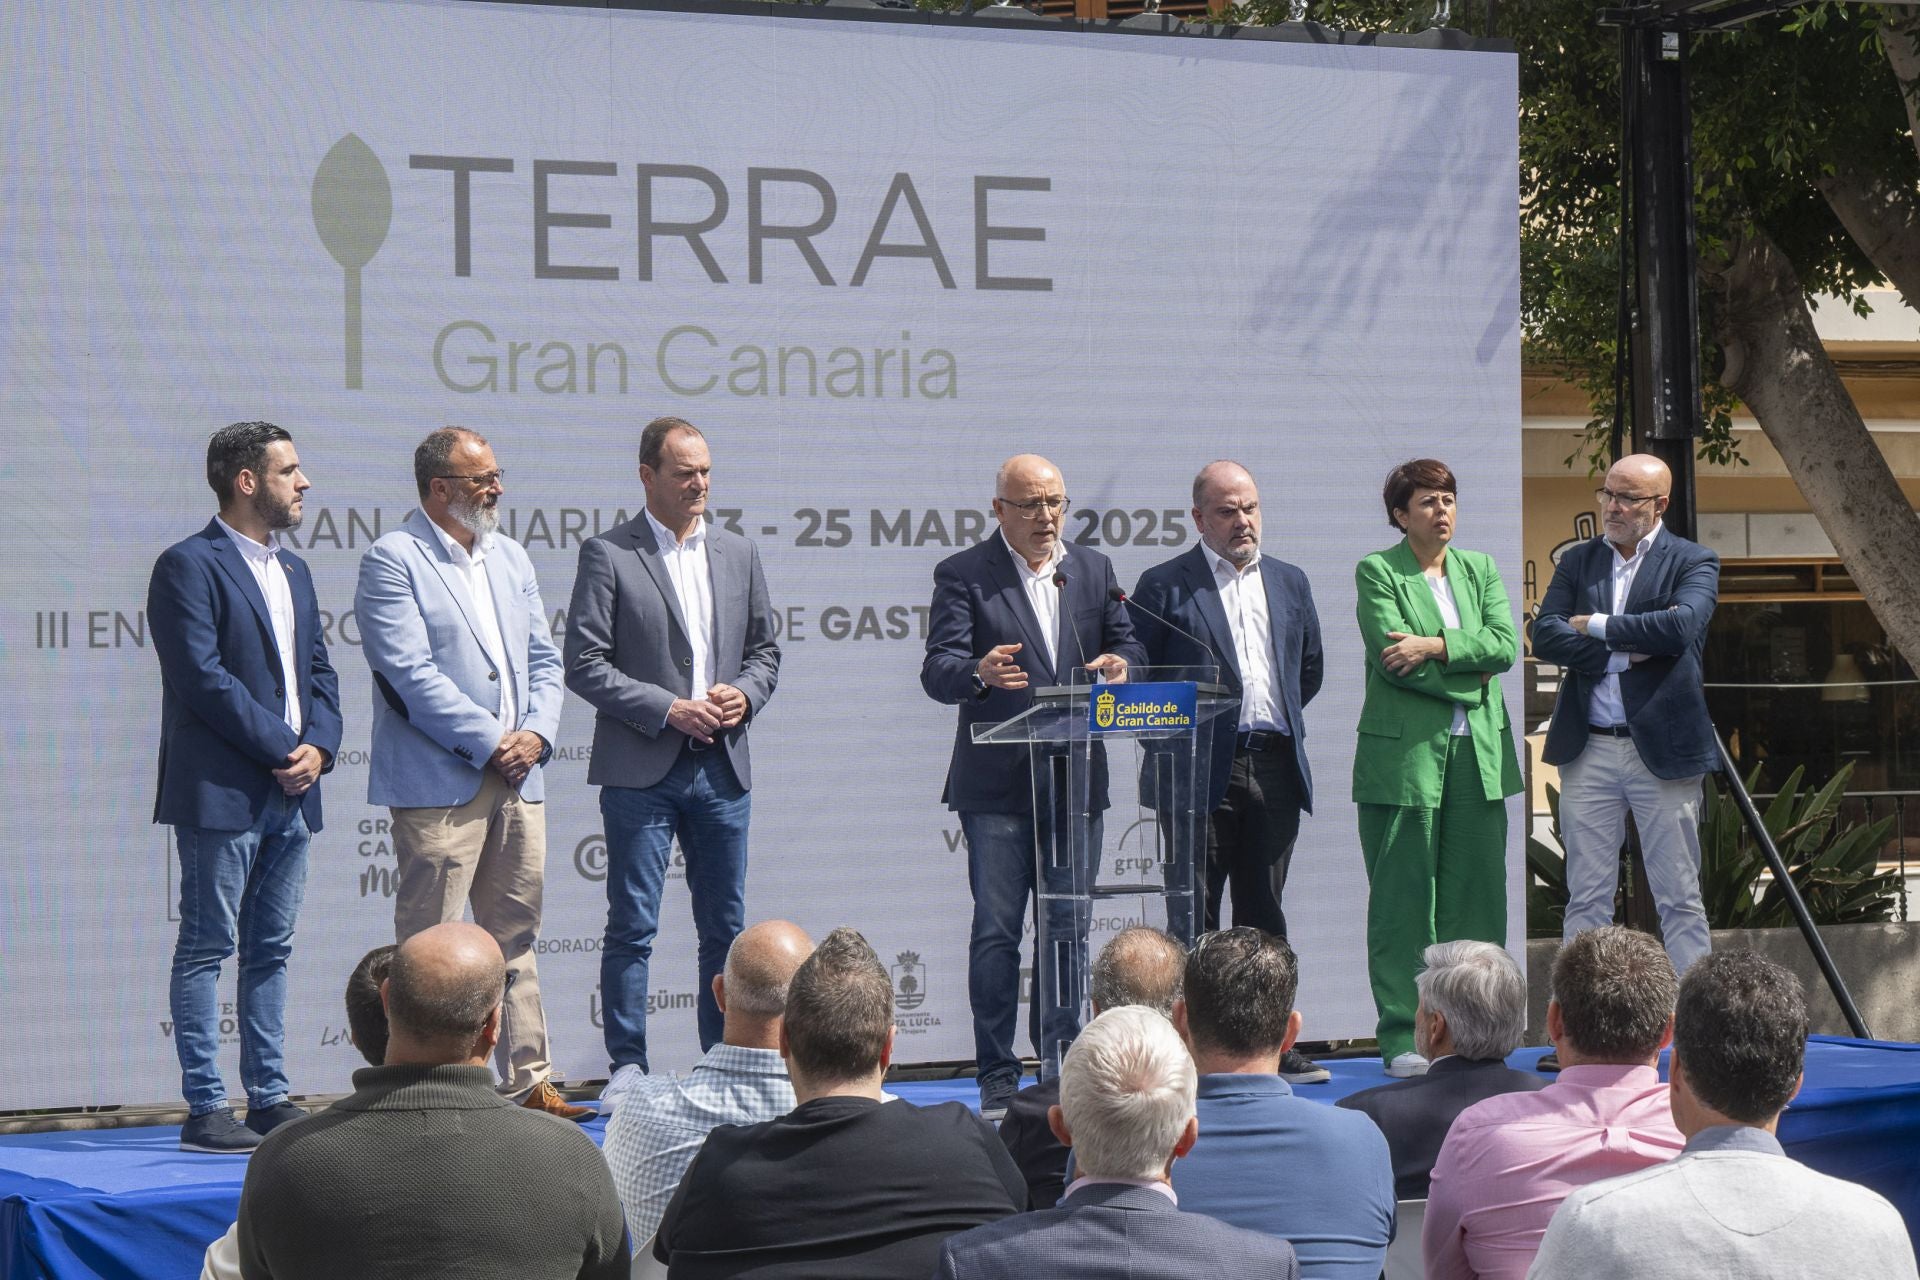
869,259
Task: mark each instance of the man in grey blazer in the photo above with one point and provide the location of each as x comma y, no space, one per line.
1733,1203
1127,1089
466,704
670,639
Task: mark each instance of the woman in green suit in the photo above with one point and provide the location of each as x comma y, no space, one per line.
1435,759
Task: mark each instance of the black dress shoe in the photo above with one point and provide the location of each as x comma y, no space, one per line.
217,1133
1298,1068
1551,1062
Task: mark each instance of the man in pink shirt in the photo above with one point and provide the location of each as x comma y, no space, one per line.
1508,1162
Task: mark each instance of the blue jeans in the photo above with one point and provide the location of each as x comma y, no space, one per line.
1000,871
239,887
701,803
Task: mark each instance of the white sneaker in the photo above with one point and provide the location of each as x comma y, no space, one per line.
1407,1065
623,1080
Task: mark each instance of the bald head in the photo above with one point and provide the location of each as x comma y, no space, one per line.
1637,489
1030,502
442,990
760,964
1142,965
1226,510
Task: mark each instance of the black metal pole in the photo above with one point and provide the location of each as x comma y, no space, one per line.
1815,943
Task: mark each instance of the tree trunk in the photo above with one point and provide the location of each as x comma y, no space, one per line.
1778,367
1883,217
1900,32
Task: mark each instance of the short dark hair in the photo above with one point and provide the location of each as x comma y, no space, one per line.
1240,985
654,438
240,447
1616,989
1409,478
366,1016
839,1009
435,454
434,1005
1740,1034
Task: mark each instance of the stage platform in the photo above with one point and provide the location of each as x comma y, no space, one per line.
122,1204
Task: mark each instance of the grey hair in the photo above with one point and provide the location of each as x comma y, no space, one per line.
1140,965
1480,991
435,454
1127,1088
754,986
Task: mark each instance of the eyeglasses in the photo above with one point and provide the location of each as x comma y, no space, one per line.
485,480
1629,500
1032,510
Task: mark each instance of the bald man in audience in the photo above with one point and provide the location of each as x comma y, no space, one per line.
1141,965
426,1170
659,1125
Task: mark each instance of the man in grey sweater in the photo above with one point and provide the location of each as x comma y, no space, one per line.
1733,1203
425,1170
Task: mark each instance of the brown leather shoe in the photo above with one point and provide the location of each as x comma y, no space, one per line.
548,1099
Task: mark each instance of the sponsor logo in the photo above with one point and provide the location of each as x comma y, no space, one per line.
909,982
590,858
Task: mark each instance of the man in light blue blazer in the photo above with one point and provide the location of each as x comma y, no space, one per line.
467,693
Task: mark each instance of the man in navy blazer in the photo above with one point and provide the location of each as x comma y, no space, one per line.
249,720
1267,649
1625,618
1126,1107
1016,610
466,704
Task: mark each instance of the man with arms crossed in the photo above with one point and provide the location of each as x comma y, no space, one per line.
249,720
1231,606
1009,613
466,704
1734,1203
1626,617
670,639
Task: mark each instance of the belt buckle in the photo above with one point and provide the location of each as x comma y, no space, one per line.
694,744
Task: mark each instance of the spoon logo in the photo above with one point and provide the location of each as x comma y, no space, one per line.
352,210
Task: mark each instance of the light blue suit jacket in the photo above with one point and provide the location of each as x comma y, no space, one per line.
436,695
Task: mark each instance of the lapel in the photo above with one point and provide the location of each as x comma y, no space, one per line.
422,529
722,563
1416,597
1599,576
1206,597
648,549
1013,595
1650,578
229,558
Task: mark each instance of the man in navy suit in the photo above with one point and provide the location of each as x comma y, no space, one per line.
1252,616
249,720
1127,1109
1016,609
466,706
1625,617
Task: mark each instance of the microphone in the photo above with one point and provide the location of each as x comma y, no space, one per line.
1060,585
1119,596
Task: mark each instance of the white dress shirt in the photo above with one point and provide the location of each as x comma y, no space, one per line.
1606,707
1450,618
263,561
471,568
1243,595
1043,596
692,582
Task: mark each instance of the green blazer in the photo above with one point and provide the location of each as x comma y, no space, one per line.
1401,755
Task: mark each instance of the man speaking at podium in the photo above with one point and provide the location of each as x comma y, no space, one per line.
1015,611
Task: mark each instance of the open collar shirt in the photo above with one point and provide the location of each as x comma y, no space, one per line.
263,562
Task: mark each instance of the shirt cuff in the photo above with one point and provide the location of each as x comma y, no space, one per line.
1597,625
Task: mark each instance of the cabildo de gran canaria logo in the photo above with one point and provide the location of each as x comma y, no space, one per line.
631,222
1103,709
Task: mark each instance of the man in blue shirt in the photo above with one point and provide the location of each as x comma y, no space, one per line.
1318,1177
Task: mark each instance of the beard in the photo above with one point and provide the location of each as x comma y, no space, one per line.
475,515
1242,555
275,512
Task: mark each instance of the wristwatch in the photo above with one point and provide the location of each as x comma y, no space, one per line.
979,686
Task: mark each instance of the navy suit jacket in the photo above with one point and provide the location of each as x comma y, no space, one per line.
1111,1231
1416,1114
978,603
1183,591
1665,618
223,728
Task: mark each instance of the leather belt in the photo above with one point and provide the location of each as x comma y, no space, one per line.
1610,730
1262,740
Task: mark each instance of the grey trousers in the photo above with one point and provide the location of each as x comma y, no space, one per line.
1597,788
492,852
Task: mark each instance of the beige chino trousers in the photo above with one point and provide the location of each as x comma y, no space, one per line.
490,852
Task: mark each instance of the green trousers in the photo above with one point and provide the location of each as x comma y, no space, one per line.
1433,875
